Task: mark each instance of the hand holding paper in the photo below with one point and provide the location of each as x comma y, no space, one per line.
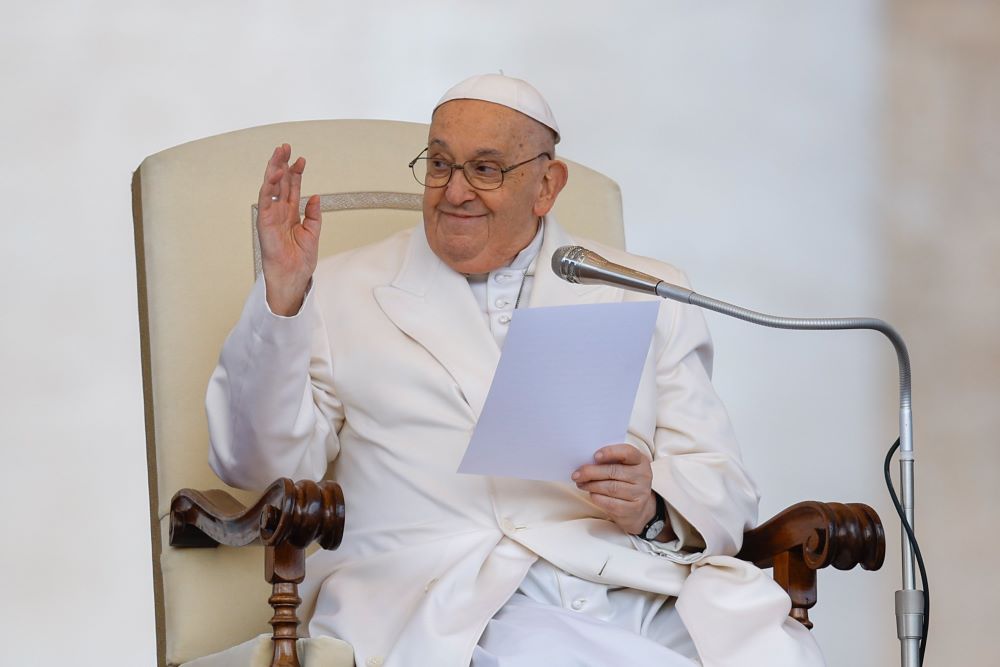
620,482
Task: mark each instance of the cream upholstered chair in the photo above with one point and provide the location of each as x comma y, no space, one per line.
195,251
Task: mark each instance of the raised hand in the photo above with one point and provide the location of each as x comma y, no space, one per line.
289,245
620,483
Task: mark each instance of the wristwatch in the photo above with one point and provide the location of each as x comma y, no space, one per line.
658,522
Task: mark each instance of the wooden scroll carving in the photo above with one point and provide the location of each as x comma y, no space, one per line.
809,536
286,519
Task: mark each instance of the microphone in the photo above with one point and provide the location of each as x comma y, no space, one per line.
576,264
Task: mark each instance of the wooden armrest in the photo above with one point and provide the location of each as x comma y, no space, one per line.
287,518
298,513
812,535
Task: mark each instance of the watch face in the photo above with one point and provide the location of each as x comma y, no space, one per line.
654,529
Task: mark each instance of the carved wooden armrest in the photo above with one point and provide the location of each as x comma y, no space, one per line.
809,536
286,519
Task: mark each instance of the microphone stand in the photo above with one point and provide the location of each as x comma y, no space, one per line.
579,265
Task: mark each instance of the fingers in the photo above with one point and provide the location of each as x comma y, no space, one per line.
313,219
277,164
285,179
620,462
621,453
295,179
616,507
591,473
279,158
613,488
282,182
272,175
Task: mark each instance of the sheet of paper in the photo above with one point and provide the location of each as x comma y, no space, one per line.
564,388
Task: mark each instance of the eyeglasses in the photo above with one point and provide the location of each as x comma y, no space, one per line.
436,172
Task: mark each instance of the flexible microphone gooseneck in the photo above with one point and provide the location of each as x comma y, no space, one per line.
576,264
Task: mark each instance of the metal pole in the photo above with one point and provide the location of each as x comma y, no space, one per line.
909,600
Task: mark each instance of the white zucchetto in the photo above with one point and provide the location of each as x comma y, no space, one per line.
506,91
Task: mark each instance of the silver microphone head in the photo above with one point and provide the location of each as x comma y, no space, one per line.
576,264
564,261
567,261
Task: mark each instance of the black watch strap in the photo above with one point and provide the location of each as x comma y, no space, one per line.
658,522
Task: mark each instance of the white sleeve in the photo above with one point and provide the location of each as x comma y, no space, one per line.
697,466
271,408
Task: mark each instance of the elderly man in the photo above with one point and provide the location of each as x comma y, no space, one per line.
379,359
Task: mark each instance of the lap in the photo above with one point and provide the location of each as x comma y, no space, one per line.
556,619
526,633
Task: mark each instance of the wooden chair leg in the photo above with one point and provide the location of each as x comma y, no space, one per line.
284,569
799,580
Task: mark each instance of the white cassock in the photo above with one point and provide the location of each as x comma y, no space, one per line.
384,372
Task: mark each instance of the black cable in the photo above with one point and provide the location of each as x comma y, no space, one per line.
916,550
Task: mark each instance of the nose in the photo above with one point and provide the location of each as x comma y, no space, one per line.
458,191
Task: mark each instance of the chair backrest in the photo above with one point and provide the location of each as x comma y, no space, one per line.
193,208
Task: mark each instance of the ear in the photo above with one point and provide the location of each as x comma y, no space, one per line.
553,181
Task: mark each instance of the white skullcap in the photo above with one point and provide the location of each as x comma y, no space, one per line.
506,91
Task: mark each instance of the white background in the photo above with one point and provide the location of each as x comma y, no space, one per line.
743,136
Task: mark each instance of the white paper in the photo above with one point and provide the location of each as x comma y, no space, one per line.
564,388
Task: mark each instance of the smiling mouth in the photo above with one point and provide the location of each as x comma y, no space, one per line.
461,216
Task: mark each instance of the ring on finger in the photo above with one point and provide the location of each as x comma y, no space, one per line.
274,197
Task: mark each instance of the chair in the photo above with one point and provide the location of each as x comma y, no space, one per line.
194,207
